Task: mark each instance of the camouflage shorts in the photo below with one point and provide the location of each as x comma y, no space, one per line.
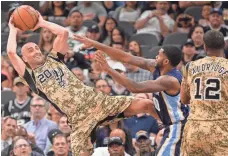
94,107
205,138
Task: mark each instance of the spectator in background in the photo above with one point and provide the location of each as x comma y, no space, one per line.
135,48
70,4
19,108
142,121
57,13
156,22
93,74
216,21
117,45
79,73
206,10
118,36
75,27
108,27
110,6
54,114
6,70
92,11
185,4
130,12
8,131
94,34
73,60
189,54
103,86
118,144
137,74
196,34
60,146
118,89
63,125
184,23
21,132
39,125
21,147
143,144
46,40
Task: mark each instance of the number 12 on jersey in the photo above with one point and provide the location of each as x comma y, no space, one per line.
211,89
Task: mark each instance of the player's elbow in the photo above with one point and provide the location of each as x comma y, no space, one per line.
10,52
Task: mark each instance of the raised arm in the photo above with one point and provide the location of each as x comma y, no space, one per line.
16,61
60,43
164,83
119,55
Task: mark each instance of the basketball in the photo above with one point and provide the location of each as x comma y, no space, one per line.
25,17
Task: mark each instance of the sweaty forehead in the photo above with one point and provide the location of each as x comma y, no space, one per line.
27,46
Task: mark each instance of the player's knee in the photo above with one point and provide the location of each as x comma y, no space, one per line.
147,104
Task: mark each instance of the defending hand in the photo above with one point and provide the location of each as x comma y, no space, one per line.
101,60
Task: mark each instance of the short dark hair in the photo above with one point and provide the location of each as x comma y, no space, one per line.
73,10
8,117
214,40
173,53
59,136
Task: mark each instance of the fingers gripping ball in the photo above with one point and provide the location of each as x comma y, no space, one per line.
25,17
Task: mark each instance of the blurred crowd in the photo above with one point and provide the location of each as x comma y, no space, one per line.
139,28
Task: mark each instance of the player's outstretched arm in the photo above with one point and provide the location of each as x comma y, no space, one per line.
119,55
60,43
163,83
16,61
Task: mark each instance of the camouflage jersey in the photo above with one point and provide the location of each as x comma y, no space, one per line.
83,105
206,131
207,80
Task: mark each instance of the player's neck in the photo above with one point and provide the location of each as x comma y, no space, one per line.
215,53
165,70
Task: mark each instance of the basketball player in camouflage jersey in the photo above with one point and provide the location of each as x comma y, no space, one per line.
51,79
205,86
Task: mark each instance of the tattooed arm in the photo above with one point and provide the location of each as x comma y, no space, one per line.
119,55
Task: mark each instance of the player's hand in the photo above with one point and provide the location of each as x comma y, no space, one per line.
101,60
39,23
87,43
11,24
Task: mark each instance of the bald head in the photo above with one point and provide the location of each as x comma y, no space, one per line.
32,55
26,46
119,133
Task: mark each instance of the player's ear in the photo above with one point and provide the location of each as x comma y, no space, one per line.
24,59
166,61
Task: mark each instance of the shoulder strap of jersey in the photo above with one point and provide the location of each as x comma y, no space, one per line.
31,81
185,71
56,56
